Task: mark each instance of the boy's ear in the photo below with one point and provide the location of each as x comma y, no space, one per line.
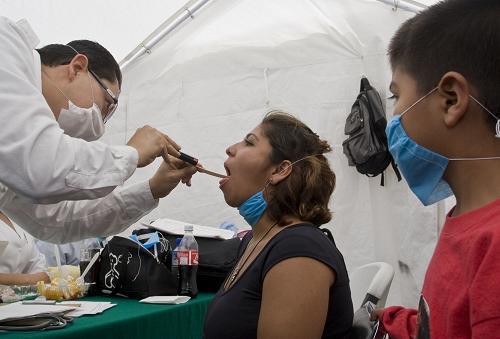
454,90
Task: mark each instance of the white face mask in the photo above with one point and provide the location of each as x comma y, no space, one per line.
79,122
83,123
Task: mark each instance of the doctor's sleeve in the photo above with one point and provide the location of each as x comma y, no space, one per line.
70,221
39,161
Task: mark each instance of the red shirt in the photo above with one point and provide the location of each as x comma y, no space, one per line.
462,283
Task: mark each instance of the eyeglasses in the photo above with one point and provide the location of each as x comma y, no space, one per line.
111,107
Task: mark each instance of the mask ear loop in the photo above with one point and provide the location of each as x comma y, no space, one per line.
57,87
416,102
497,126
293,163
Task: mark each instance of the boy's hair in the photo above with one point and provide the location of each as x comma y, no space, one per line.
306,191
453,35
100,60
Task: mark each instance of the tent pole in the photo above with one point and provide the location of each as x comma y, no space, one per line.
179,17
407,5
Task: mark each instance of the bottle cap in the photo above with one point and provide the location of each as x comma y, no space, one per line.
188,228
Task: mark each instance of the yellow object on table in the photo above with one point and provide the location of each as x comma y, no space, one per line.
64,284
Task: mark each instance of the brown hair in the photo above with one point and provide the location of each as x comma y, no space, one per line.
305,193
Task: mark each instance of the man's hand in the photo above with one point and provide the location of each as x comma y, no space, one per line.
168,175
151,143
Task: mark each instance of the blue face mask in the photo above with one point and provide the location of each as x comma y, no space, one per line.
422,168
253,208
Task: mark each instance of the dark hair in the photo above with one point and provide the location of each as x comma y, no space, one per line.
306,191
453,35
100,60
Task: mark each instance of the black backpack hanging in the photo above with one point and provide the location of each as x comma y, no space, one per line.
366,145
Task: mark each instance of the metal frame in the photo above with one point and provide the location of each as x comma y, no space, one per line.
177,19
406,5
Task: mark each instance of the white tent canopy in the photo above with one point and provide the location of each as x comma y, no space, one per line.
212,80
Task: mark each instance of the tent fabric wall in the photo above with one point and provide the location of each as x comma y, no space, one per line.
211,82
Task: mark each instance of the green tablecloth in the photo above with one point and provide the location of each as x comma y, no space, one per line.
132,319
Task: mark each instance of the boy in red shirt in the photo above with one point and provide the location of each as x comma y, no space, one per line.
445,138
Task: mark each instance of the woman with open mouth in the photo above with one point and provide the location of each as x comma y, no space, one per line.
290,280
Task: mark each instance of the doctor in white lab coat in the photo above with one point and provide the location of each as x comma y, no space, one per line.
21,263
81,113
37,159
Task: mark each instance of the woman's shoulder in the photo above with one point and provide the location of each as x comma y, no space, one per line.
307,234
305,240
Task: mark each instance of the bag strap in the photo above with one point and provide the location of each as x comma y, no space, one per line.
328,233
395,168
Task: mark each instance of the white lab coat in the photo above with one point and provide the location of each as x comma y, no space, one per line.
21,254
70,221
69,253
37,160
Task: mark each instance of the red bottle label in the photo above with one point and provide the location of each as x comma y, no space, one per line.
189,258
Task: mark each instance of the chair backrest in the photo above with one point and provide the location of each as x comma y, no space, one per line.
371,282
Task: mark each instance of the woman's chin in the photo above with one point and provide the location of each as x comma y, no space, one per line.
230,201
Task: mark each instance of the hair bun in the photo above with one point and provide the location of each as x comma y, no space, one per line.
324,146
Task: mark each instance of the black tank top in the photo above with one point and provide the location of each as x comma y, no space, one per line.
235,313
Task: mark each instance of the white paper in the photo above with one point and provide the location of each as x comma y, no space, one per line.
18,310
88,307
177,227
166,299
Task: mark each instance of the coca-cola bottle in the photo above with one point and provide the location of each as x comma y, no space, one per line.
187,255
175,264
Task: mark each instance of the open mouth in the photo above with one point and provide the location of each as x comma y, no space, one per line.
226,179
228,172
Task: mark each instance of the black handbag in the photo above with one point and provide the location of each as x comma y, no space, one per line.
128,269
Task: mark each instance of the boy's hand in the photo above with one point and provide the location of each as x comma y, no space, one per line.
168,175
377,314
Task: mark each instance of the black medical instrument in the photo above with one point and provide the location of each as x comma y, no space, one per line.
193,161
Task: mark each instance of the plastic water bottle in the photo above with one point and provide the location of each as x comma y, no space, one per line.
175,264
188,263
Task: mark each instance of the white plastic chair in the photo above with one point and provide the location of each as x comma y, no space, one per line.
371,282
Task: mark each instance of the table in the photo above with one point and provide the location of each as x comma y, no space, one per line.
132,319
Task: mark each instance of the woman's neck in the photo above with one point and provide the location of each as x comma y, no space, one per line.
262,226
266,222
